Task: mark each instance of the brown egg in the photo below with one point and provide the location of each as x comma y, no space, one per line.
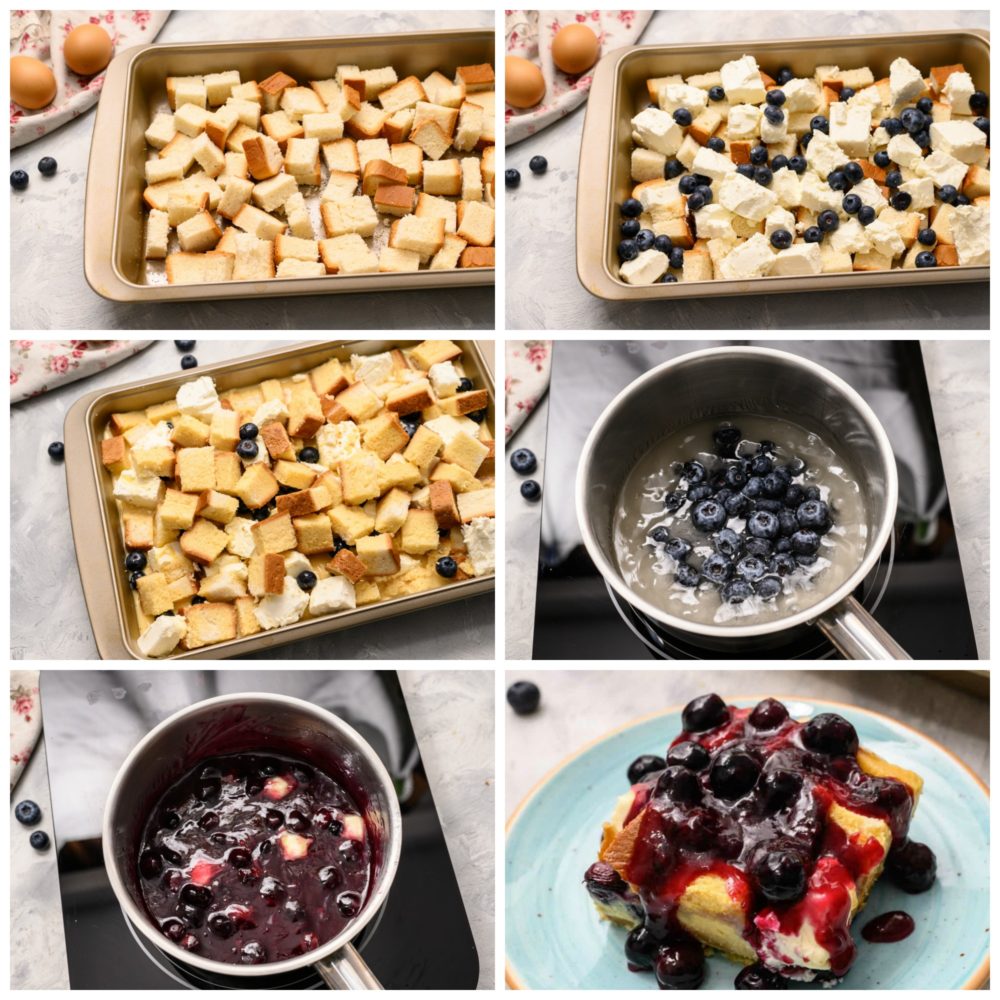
525,83
87,49
32,83
575,49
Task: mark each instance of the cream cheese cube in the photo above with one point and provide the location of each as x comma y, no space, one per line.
198,398
958,89
714,222
869,97
335,442
285,608
904,151
646,269
801,95
921,191
779,218
869,193
943,169
787,188
162,636
849,237
906,82
960,139
295,563
970,227
373,370
145,491
884,239
744,197
241,541
334,593
657,130
824,155
752,259
712,164
801,258
818,196
444,379
850,128
271,409
479,536
680,95
744,121
773,132
741,81
447,427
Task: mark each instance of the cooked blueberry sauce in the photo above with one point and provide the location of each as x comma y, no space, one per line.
252,858
746,794
888,927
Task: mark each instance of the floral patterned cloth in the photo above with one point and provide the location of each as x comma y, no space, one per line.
36,366
25,720
40,33
528,364
530,34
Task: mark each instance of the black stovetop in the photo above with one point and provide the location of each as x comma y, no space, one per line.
917,592
420,940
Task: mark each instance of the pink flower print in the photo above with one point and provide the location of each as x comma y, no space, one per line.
23,704
59,364
537,352
25,345
15,377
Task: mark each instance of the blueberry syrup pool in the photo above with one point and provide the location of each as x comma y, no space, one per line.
251,859
792,818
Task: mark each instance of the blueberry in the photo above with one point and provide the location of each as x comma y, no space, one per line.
511,177
306,579
672,169
687,184
683,117
133,579
523,697
813,235
735,477
846,93
927,237
696,201
765,503
763,524
866,215
677,548
758,155
781,876
768,587
881,159
775,98
704,713
627,250
979,102
675,500
851,204
892,125
716,569
39,840
736,591
199,896
829,733
446,567
768,715
641,948
247,449
680,784
763,176
716,94
189,361
798,164
185,346
27,812
779,161
631,208
774,484
759,547
754,487
922,138
644,239
629,228
926,105
676,256
57,451
983,124
538,164
759,977
716,144
663,243
853,172
687,576
307,454
660,535
680,964
751,568
641,766
819,123
912,120
925,259
962,200
697,493
828,220
523,462
47,166
788,523
948,193
901,201
911,866
727,543
19,180
135,560
708,515
784,75
805,543
837,180
738,505
248,432
745,170
691,755
783,564
893,179
530,490
726,439
733,774
813,514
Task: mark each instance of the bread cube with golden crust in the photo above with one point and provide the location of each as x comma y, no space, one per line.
378,554
314,534
351,523
209,623
419,533
204,542
178,510
275,534
153,594
443,505
257,486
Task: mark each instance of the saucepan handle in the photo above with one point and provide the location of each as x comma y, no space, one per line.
857,635
347,970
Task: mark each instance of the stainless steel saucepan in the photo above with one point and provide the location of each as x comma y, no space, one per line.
724,382
241,723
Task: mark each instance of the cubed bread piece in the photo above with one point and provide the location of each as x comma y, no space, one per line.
228,470
450,253
276,440
220,125
373,149
443,177
476,503
314,533
190,432
476,78
356,215
323,127
161,130
238,193
199,233
302,160
445,118
182,204
477,257
423,449
465,402
114,454
138,528
410,398
209,623
462,481
266,573
302,502
272,194
379,172
394,199
404,94
305,415
299,223
289,247
329,378
218,507
367,122
275,534
195,469
397,126
190,120
273,87
154,597
254,257
431,138
391,511
182,589
204,542
294,474
348,254
299,101
257,223
472,179
359,479
422,235
443,505
465,451
224,432
477,225
246,620
378,555
408,156
432,352
155,460
264,157
351,523
384,435
157,235
398,472
178,510
359,401
340,186
248,116
209,155
257,487
441,90
431,207
342,155
157,170
470,127
419,533
392,260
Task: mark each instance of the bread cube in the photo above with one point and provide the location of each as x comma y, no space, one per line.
465,451
199,233
161,130
190,120
257,223
224,433
433,352
470,128
419,533
228,470
204,542
139,528
302,502
178,510
182,589
476,78
411,397
154,597
353,215
409,157
351,523
266,574
423,449
397,126
329,378
195,469
114,454
294,474
472,180
257,487
208,153
275,534
218,507
246,620
359,478
359,401
367,122
190,432
342,155
378,555
391,511
155,461
347,564
422,235
273,87
478,224
384,435
443,505
209,623
443,177
314,533
305,415
476,503
450,253
465,402
264,157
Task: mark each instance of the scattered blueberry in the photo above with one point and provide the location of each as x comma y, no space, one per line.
185,345
775,97
673,168
716,144
716,94
828,220
19,180
135,560
851,204
466,385
781,239
925,259
446,567
893,179
683,117
866,215
523,462
676,258
511,177
249,432
306,579
538,164
57,451
881,159
627,250
39,840
779,161
758,155
189,361
631,208
530,490
893,126
47,166
247,449
641,766
663,243
668,279
979,102
645,238
310,455
813,235
784,75
629,228
948,193
798,164
27,812
763,176
133,579
759,977
983,124
820,123
837,180
901,201
523,697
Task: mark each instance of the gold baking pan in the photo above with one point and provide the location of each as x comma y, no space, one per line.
100,548
113,243
619,92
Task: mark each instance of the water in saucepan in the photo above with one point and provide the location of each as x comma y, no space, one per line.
675,578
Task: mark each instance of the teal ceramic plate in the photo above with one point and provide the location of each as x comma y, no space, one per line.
555,939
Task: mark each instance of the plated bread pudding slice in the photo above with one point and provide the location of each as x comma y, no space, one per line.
758,836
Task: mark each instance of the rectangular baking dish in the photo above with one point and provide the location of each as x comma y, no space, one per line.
100,549
113,247
619,93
